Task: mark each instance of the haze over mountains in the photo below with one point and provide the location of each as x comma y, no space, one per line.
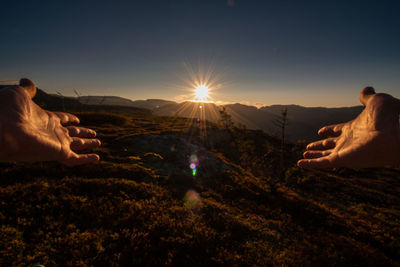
303,122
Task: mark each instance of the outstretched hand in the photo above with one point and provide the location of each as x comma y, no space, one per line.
370,140
30,133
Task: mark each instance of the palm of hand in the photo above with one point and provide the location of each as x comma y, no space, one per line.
34,134
371,140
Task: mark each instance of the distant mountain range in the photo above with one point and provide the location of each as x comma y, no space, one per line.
303,122
119,101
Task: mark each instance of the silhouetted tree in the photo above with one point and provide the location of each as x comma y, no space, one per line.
62,101
281,123
225,118
102,100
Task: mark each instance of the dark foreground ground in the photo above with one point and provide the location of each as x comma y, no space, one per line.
143,205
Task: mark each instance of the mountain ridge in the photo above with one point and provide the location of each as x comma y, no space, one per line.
303,122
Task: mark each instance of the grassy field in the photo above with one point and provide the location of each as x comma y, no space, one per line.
143,205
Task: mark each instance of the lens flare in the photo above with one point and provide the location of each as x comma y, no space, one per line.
194,163
192,199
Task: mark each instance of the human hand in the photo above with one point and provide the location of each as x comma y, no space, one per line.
370,140
30,133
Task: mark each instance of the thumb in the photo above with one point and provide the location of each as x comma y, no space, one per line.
29,86
365,94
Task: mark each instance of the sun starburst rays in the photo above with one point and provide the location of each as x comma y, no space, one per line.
199,86
197,104
202,82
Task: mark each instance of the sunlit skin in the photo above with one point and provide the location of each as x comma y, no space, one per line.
201,92
29,133
370,140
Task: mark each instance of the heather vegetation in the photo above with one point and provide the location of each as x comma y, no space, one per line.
174,191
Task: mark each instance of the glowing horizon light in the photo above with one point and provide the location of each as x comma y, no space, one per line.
201,101
201,92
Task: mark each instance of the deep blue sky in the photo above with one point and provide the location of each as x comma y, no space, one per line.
313,53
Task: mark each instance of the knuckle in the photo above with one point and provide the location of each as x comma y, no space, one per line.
54,117
77,142
65,131
381,98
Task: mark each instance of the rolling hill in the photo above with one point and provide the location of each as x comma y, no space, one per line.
151,104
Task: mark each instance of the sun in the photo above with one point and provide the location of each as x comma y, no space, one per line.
201,92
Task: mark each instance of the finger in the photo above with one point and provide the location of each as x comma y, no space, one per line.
319,163
29,86
80,132
325,144
81,143
331,130
76,159
365,94
313,154
67,117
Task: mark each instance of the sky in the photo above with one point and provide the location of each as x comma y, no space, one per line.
258,52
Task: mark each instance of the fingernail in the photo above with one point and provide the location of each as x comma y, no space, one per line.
299,163
94,157
29,86
369,90
24,82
